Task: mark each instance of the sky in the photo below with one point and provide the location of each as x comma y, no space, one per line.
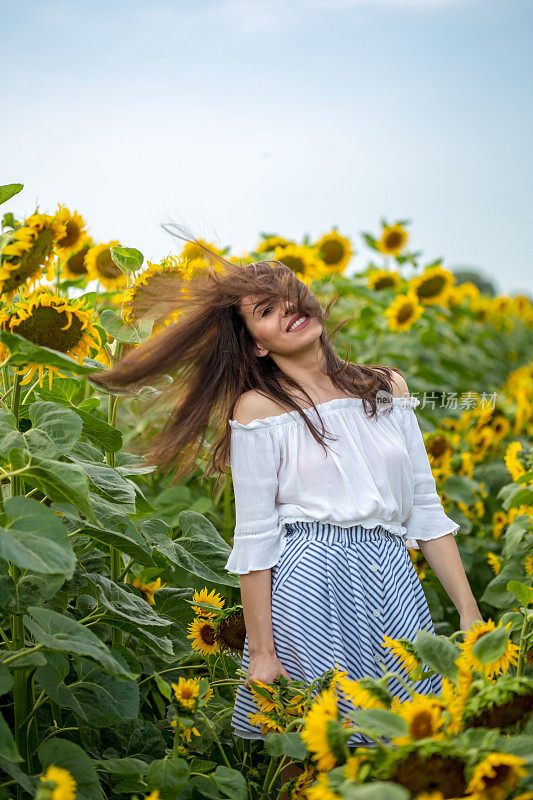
289,116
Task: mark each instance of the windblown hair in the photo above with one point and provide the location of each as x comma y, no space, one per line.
208,351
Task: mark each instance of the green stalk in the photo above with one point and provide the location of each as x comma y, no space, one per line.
217,740
522,654
23,699
115,556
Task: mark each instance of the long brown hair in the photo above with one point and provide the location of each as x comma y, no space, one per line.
208,351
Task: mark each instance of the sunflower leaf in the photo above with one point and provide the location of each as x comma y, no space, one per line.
380,722
128,259
522,592
437,652
9,190
35,539
22,351
491,646
67,755
131,333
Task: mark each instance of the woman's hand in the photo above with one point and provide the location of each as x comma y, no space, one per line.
468,618
265,668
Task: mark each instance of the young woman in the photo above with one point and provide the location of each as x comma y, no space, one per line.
322,528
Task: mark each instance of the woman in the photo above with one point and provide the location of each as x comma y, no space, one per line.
321,529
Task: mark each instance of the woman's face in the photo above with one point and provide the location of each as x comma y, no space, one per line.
272,325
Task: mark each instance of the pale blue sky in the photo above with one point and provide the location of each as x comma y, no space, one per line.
235,116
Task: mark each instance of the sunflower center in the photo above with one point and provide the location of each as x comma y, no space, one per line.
422,725
76,262
294,263
72,235
43,327
384,283
431,287
332,252
105,265
405,313
394,239
207,634
439,446
29,261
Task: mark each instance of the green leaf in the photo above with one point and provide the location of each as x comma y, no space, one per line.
67,755
460,489
161,645
22,351
491,646
8,747
55,429
109,483
99,699
9,190
128,259
201,550
6,681
437,652
126,605
522,592
35,539
380,722
56,479
376,791
288,744
515,534
169,776
123,332
59,632
230,782
121,534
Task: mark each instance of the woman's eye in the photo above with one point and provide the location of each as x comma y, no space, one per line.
267,309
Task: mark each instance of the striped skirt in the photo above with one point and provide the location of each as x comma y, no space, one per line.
335,593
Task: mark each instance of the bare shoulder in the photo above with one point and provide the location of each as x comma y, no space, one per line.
254,405
399,385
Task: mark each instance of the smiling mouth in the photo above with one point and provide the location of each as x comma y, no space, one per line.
297,323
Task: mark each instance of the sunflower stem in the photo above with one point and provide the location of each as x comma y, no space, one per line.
522,654
114,554
214,734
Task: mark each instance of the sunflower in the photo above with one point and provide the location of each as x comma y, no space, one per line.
380,279
494,562
404,651
29,251
424,719
514,466
265,704
59,782
267,724
203,596
203,636
393,240
302,260
454,696
432,286
403,312
496,776
476,631
73,265
101,267
231,631
358,693
186,692
499,521
528,565
186,732
147,589
335,251
323,712
153,795
270,243
321,790
439,451
44,318
302,783
75,232
166,279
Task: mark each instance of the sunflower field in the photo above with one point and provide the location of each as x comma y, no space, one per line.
121,631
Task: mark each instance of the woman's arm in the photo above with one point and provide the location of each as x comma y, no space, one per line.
256,596
443,557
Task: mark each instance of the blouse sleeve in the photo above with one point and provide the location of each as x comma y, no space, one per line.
258,536
427,519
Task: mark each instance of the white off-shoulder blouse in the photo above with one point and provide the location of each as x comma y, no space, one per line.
376,472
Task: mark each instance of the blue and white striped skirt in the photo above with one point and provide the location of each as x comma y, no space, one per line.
335,593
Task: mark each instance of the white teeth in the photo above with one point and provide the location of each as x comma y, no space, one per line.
298,321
